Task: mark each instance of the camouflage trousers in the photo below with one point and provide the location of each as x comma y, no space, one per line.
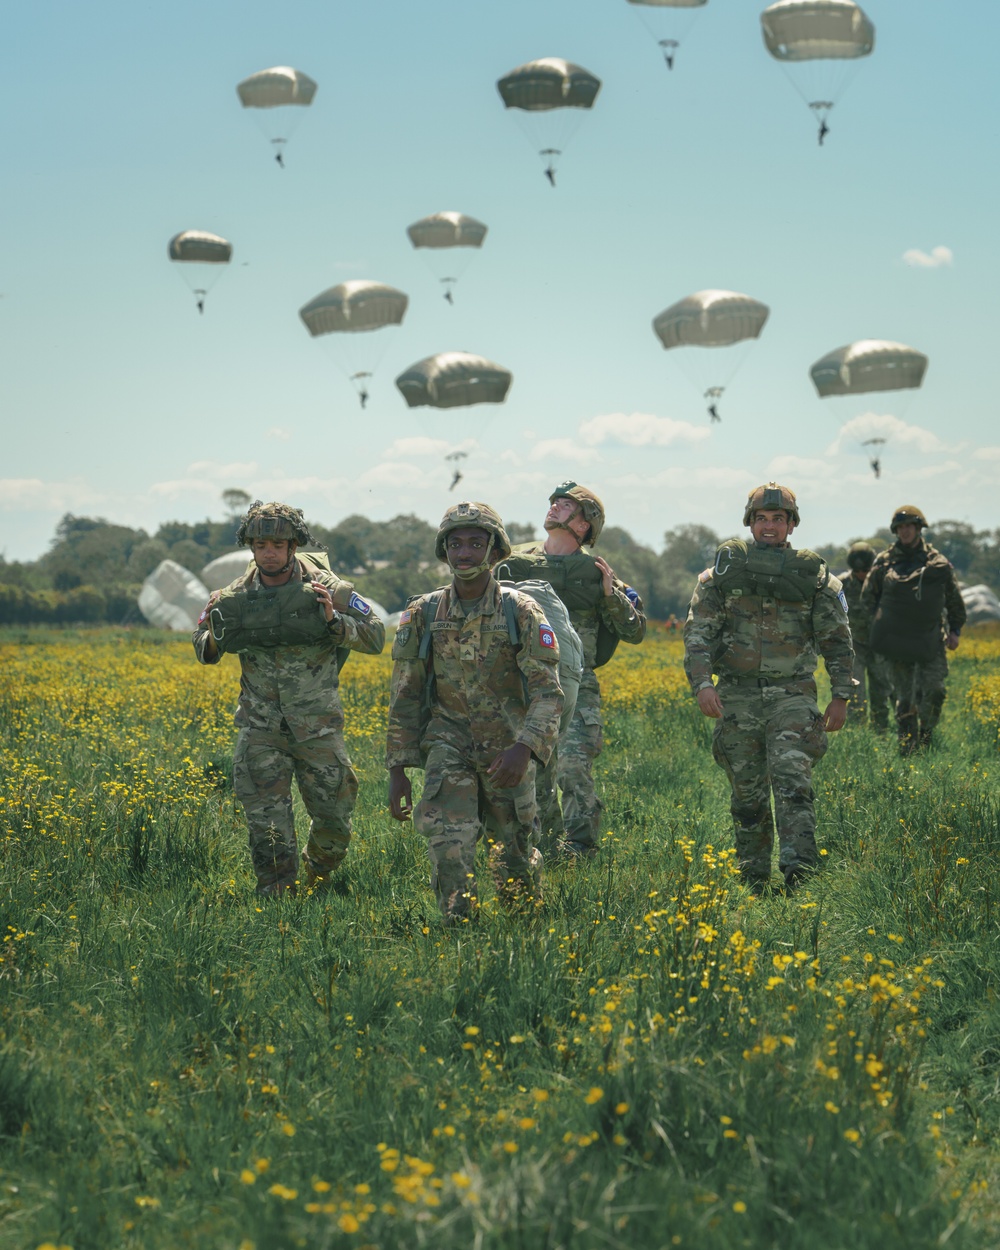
767,741
263,766
458,805
874,691
918,691
571,768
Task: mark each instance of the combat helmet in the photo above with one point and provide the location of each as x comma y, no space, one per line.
480,515
860,556
590,506
277,521
771,496
907,514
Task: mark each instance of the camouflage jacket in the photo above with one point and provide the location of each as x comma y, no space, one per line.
577,581
774,640
297,686
478,692
907,559
859,610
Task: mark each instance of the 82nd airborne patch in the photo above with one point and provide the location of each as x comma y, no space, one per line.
546,637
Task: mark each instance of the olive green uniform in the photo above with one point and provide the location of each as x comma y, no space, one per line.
757,619
601,621
291,723
474,695
870,670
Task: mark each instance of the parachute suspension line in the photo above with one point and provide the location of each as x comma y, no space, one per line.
361,386
669,47
448,284
550,166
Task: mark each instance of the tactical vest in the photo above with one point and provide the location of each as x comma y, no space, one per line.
247,616
774,572
576,579
908,625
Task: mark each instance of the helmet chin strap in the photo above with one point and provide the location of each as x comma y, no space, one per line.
468,575
288,563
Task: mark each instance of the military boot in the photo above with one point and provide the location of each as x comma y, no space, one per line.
926,737
322,878
907,727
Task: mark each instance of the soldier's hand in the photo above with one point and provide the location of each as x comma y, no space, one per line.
400,794
952,641
509,767
835,716
709,702
325,597
607,576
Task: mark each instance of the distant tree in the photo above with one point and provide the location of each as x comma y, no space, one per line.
193,556
145,557
520,532
90,551
236,501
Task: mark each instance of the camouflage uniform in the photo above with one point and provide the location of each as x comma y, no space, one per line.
764,651
290,723
875,692
918,686
577,581
477,711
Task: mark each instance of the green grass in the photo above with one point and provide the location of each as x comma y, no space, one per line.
655,1060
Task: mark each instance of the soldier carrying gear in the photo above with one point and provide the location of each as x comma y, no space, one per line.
771,497
590,509
908,515
872,693
860,557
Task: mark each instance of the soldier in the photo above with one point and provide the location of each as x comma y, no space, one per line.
603,610
860,558
292,622
910,593
475,702
757,618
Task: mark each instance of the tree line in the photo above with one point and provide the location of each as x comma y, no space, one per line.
94,568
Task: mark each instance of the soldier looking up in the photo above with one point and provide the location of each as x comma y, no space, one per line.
870,670
292,623
912,596
475,702
758,617
603,610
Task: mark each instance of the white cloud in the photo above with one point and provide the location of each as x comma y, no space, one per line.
639,429
398,474
18,493
278,432
986,453
565,449
418,445
934,259
797,466
883,425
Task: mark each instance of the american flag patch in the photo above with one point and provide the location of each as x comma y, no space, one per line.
404,617
546,637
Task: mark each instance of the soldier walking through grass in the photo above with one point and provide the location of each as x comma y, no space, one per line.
873,692
603,610
917,611
475,702
292,622
757,619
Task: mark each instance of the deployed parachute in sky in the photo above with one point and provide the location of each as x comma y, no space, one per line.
172,598
202,257
454,380
668,21
861,368
448,240
712,319
349,312
818,43
549,95
271,93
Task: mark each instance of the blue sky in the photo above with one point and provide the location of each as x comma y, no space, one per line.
121,126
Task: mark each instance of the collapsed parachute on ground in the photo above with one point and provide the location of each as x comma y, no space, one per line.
819,43
712,319
202,257
454,380
225,569
278,88
440,237
981,604
668,21
548,96
868,365
349,311
172,598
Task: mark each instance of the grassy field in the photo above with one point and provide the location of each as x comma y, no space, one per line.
657,1060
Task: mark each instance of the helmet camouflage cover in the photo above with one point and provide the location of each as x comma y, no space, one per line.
474,515
276,521
907,515
771,497
591,507
860,556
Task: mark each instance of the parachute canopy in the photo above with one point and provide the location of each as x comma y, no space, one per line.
868,365
670,4
225,569
201,247
810,30
548,83
710,319
447,230
171,597
454,380
352,307
272,88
